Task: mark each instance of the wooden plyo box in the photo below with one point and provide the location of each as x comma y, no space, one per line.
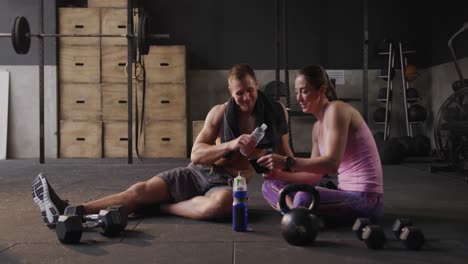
115,101
166,102
166,64
80,139
79,21
166,139
80,64
114,21
116,139
80,101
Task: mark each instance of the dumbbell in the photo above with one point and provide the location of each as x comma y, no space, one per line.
80,211
412,237
373,235
112,221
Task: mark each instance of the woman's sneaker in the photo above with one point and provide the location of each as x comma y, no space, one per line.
49,203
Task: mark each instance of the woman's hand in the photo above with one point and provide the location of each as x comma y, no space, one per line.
272,175
272,161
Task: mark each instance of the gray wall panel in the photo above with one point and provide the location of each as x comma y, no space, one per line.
23,116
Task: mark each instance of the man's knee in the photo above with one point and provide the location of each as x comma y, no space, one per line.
137,190
218,206
153,190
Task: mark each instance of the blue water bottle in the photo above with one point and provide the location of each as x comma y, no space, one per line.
239,205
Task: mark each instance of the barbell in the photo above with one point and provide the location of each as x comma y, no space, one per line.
21,35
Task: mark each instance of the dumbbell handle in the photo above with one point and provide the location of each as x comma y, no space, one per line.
95,224
91,217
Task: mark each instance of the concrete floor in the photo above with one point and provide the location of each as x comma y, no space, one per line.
436,202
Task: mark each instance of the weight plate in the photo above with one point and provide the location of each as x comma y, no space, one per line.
144,35
21,35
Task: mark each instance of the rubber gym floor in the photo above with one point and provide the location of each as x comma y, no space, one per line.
436,202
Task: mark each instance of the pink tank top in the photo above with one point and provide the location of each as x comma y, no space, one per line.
360,169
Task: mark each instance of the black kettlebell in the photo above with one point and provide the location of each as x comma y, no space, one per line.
299,226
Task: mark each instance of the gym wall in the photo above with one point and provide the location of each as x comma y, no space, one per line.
219,34
323,32
445,20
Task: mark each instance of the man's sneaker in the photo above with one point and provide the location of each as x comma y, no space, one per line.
49,203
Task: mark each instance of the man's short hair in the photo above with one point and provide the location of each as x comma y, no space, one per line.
240,71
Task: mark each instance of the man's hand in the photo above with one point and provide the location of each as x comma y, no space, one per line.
272,161
245,142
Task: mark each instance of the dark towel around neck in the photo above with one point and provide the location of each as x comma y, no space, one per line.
266,111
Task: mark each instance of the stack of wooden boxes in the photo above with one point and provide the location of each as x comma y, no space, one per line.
93,88
80,88
166,102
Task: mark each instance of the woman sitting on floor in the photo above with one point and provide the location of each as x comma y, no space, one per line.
341,143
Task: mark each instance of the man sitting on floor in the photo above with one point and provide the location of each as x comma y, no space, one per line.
200,190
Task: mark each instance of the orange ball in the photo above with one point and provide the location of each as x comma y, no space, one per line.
410,72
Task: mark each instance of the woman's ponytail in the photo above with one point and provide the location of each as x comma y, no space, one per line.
331,92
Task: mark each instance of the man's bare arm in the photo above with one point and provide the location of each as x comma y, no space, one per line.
205,150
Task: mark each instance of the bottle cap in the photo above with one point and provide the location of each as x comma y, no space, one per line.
264,126
239,183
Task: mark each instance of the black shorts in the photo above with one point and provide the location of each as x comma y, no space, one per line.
185,183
